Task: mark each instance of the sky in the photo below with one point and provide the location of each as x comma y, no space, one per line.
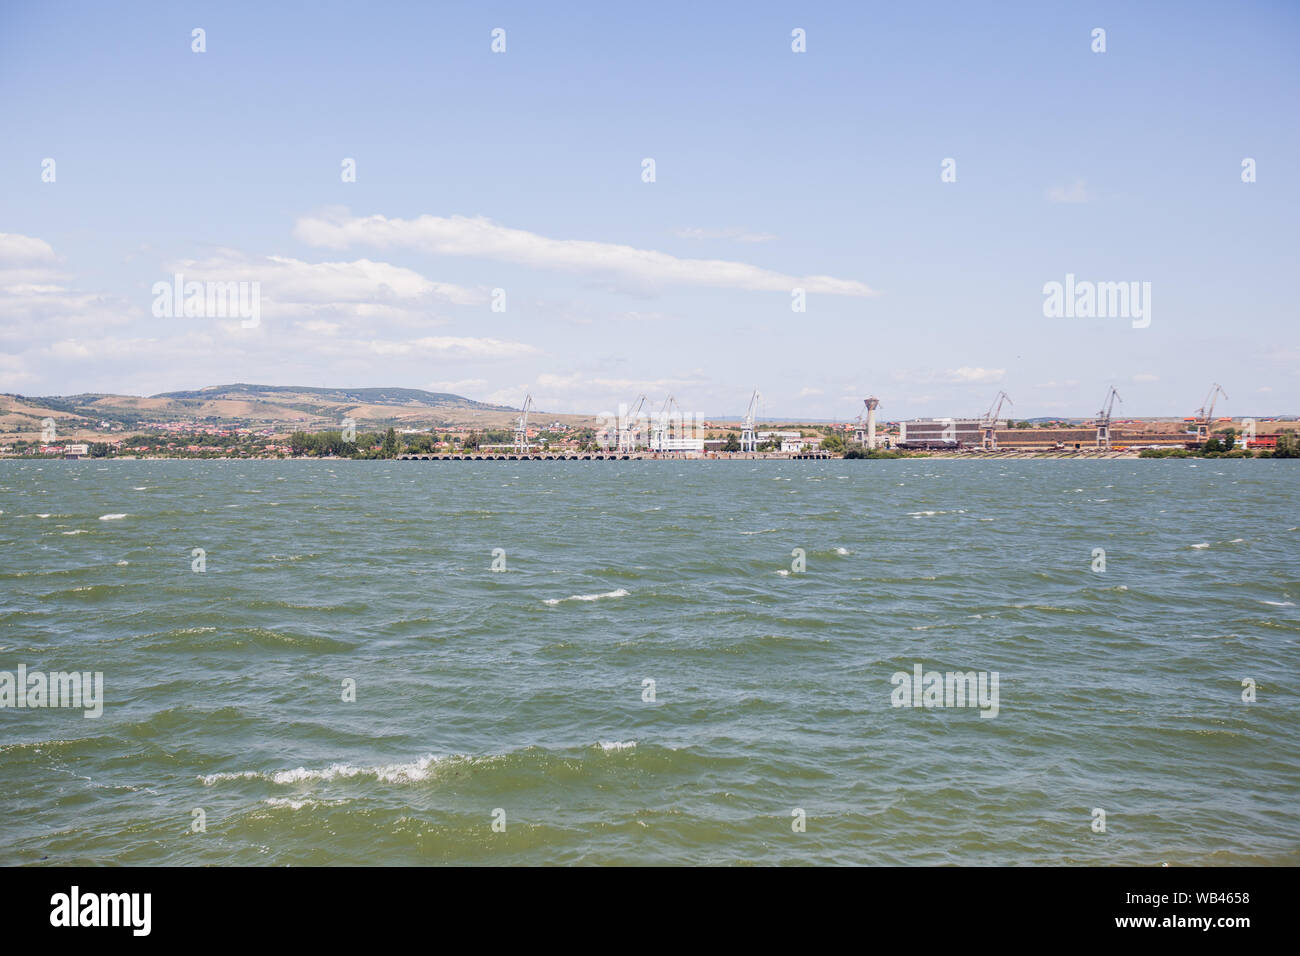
922,171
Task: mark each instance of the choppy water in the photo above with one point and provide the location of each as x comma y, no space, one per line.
522,689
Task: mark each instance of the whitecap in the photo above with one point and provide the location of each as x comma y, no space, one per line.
391,773
588,597
112,517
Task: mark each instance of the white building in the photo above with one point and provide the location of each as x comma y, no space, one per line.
660,442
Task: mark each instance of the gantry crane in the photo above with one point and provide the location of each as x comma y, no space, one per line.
521,429
663,424
989,423
627,440
748,442
1205,414
1103,419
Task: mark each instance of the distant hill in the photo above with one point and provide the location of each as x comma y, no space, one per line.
281,407
406,397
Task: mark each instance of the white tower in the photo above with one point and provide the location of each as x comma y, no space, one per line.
872,404
866,434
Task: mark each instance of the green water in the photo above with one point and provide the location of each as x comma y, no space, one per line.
479,690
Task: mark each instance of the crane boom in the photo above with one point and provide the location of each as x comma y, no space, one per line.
748,443
626,442
663,424
521,429
1205,414
1103,418
989,424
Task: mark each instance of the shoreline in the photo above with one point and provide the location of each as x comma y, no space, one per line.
931,456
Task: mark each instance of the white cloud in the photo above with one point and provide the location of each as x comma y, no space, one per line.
730,232
16,248
1069,383
1146,377
36,301
1076,192
317,327
480,237
14,370
336,316
459,387
976,376
299,287
451,346
580,381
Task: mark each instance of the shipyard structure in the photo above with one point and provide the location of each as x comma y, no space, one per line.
957,433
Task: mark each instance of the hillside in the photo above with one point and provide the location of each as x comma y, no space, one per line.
282,408
298,395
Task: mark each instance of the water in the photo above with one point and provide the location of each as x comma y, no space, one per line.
480,690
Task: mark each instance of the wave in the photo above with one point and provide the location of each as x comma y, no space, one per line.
411,772
423,768
621,592
112,517
240,638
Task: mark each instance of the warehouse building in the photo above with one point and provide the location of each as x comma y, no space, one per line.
941,433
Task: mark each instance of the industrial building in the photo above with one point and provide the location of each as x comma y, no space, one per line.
1084,437
958,433
943,433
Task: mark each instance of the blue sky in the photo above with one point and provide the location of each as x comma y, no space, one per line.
522,171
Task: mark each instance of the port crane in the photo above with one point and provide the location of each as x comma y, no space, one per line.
748,442
1205,414
663,424
989,423
628,433
521,429
1103,419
